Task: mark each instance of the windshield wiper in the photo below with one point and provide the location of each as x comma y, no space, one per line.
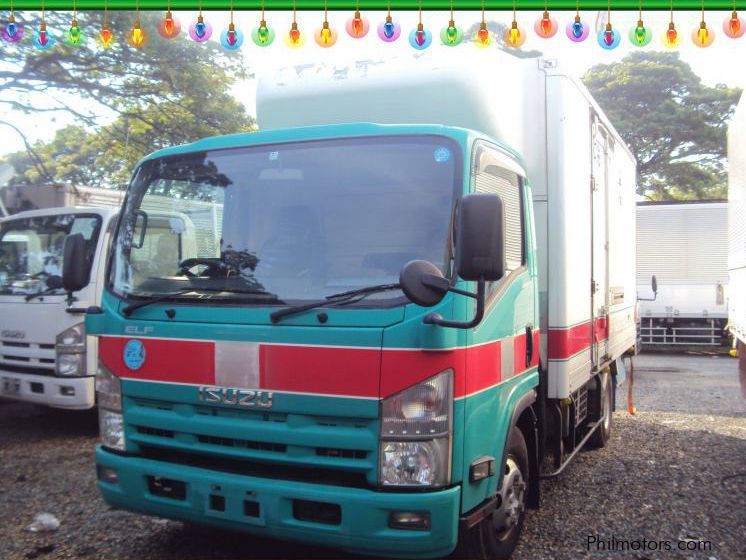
342,297
127,311
47,292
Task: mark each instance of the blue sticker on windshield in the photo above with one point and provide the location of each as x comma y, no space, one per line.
442,155
134,354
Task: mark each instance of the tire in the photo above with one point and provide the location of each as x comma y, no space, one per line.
496,536
602,435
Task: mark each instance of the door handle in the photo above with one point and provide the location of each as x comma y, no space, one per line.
529,345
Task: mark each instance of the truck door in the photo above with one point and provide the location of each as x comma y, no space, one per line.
600,242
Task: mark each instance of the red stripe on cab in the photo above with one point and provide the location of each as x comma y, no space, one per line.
173,361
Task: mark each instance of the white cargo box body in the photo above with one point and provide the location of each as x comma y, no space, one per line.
581,173
684,244
737,221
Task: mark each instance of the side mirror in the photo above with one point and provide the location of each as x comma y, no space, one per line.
480,256
423,283
654,284
138,233
75,263
480,250
54,282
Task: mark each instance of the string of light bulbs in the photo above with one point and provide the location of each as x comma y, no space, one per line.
357,27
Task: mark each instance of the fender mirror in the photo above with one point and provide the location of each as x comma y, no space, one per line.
654,284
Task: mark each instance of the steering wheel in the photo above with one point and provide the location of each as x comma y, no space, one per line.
214,266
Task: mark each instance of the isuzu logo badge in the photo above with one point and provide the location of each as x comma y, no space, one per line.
134,354
13,334
248,398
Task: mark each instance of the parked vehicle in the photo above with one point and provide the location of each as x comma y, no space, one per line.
685,245
46,356
394,323
737,233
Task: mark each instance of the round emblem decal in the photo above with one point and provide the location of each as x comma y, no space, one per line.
134,354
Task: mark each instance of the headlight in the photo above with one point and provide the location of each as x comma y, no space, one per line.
70,364
70,350
111,428
416,434
72,337
109,399
108,389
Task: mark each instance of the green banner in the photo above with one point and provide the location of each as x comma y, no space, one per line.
372,5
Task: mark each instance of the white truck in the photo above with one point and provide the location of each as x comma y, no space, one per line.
737,232
45,355
684,245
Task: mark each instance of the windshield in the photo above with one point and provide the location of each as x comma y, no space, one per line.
298,221
31,249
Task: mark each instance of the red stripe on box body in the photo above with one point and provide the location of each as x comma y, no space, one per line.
564,343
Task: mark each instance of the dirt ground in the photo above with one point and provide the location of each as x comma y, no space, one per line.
674,475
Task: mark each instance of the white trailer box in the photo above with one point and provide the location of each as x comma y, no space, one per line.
684,244
581,173
737,224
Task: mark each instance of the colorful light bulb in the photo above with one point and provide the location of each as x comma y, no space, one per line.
294,38
577,30
420,38
514,37
105,36
546,26
733,26
12,31
137,36
609,38
357,26
74,36
262,35
169,27
484,37
231,38
451,35
671,36
703,36
200,31
640,35
325,36
43,39
389,31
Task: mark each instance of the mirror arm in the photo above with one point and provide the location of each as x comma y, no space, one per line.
437,318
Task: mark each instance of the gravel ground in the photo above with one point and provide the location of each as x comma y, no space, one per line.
674,474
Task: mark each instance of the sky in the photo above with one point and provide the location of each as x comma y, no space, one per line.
723,62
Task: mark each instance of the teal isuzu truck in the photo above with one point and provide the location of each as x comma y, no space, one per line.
377,323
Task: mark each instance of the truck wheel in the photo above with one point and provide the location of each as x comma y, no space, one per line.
603,433
496,536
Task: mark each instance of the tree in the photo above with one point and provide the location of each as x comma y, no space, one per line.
674,124
127,102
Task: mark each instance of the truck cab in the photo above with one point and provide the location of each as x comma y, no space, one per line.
46,357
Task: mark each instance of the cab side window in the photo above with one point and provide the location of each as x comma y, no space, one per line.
495,173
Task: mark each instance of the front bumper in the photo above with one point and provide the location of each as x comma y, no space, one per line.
75,393
362,528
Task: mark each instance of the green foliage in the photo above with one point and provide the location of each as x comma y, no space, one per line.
674,124
166,93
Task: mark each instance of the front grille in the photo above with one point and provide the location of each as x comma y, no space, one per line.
27,357
26,369
254,468
274,444
227,442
